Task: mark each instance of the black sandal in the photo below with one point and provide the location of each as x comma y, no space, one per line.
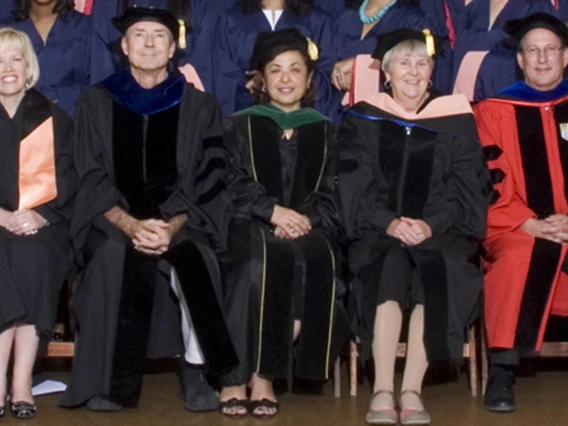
23,409
2,413
266,404
234,403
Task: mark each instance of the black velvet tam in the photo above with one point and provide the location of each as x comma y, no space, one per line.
133,15
270,44
387,41
518,28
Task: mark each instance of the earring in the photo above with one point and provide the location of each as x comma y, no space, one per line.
429,83
387,84
263,88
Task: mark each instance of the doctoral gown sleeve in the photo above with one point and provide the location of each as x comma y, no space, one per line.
201,191
249,196
359,190
466,193
508,209
61,208
321,207
97,193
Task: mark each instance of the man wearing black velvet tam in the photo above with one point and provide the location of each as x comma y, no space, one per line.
524,132
151,210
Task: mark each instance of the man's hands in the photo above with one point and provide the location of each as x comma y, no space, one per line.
410,231
149,236
22,222
553,228
289,224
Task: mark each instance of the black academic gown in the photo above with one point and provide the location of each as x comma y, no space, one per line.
34,266
156,154
270,282
430,168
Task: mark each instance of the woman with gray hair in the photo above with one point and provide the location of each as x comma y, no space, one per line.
37,186
414,191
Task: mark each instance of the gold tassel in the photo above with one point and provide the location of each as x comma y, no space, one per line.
182,42
429,39
313,51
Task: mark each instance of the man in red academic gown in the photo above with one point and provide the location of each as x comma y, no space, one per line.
524,133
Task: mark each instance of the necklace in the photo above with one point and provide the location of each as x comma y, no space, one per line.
372,19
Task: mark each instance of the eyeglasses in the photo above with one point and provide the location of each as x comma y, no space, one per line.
549,51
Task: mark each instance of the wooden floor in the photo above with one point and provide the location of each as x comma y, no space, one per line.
542,400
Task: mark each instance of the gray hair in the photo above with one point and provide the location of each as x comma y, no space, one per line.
406,48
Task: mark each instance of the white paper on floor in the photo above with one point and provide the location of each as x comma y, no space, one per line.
48,386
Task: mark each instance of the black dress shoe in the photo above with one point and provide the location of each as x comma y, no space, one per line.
102,403
196,391
499,395
23,410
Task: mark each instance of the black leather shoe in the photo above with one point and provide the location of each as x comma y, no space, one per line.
102,403
499,395
196,391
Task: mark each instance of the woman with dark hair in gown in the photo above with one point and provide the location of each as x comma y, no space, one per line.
281,294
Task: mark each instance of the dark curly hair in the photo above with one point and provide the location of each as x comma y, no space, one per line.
261,96
297,7
22,8
354,4
180,8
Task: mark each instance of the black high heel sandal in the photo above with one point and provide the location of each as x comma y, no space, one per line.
23,409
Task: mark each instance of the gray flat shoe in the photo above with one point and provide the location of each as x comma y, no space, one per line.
383,414
412,416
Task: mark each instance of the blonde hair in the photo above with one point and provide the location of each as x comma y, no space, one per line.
11,37
409,47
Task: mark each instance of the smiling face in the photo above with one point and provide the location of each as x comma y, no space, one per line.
409,75
148,46
286,80
14,71
542,59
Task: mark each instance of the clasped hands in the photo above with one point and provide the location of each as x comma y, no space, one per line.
22,222
409,231
553,228
150,236
289,224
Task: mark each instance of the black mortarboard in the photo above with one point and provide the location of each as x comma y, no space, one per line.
387,41
138,14
269,44
518,28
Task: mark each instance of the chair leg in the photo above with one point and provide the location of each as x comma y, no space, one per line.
484,360
353,354
472,361
337,378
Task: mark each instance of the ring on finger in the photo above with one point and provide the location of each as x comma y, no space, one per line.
25,225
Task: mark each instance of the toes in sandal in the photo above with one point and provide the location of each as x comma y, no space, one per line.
413,416
382,414
23,409
237,405
265,404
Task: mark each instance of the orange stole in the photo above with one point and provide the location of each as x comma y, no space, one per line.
36,180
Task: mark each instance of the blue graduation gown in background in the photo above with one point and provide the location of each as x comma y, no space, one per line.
107,54
333,7
64,59
348,28
476,14
235,43
6,9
